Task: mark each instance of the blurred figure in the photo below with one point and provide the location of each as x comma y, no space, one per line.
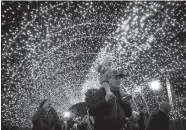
64,125
61,121
143,118
70,123
135,115
75,126
132,123
46,117
89,94
86,123
159,118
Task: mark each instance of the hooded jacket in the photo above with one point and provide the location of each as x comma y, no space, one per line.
143,120
109,115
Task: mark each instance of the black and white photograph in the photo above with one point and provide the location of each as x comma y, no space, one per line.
93,65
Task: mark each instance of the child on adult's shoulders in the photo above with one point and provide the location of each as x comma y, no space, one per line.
104,69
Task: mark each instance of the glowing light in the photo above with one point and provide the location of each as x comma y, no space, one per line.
155,85
67,114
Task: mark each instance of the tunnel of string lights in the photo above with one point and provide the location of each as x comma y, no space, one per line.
50,50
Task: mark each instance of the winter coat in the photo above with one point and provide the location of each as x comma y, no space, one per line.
158,121
109,115
46,120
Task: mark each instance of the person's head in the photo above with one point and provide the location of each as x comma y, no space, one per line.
114,78
107,61
45,103
166,107
135,115
89,94
75,126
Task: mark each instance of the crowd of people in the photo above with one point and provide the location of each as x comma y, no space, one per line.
109,108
